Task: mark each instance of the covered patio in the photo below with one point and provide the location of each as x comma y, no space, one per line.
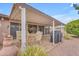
31,18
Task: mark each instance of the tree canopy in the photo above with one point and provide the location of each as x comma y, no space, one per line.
76,6
73,27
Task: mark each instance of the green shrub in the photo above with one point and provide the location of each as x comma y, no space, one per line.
34,51
73,27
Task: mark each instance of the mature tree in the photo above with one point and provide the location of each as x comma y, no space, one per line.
76,6
73,27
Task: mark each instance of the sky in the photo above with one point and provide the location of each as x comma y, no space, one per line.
64,12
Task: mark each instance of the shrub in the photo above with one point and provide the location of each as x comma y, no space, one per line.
34,51
73,27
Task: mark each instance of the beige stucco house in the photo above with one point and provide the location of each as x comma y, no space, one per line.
4,26
36,21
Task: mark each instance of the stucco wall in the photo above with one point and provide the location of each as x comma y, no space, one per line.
4,28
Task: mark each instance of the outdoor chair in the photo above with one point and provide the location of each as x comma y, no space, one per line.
38,37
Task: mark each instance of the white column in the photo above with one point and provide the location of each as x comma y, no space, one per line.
9,26
23,28
53,31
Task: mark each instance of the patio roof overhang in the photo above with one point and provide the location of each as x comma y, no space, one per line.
6,17
23,12
33,15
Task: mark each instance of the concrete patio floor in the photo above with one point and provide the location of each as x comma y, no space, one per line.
66,48
0,46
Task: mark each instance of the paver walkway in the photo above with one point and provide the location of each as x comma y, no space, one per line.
67,48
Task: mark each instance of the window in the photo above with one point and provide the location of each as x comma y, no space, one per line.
47,30
32,28
41,28
13,28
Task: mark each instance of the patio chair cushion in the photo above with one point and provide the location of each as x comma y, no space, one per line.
38,36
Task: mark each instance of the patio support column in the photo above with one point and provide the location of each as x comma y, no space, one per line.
23,28
9,27
61,30
53,31
37,28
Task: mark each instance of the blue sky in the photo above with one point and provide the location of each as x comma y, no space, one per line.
5,8
63,12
